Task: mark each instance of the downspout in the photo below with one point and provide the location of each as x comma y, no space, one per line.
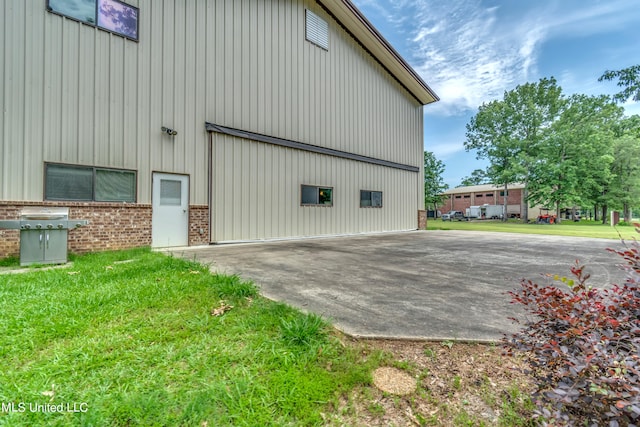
209,180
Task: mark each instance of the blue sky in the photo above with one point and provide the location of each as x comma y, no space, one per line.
472,51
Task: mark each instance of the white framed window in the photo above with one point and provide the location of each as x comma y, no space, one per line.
312,195
316,30
370,199
88,183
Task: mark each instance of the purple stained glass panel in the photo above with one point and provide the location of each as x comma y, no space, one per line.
119,17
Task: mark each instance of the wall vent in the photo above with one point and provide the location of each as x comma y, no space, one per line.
317,30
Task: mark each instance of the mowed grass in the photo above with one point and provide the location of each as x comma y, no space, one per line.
137,338
565,228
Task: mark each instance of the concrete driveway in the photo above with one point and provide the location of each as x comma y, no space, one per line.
419,285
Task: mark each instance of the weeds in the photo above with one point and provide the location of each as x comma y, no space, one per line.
447,343
12,261
430,354
457,382
137,342
305,330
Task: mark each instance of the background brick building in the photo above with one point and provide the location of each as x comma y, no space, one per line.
461,198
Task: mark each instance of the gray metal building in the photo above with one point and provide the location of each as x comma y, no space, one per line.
178,122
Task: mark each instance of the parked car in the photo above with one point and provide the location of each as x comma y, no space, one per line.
451,215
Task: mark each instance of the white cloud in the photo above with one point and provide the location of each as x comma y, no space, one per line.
446,150
427,31
472,57
470,54
580,18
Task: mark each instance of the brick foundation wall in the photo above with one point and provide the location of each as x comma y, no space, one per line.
198,225
422,220
111,226
9,238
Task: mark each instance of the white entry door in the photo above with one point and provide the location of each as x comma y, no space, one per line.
170,210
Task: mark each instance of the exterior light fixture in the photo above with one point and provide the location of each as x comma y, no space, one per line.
169,132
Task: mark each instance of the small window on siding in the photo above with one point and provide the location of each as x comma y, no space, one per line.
316,30
502,193
67,182
370,199
87,183
311,195
113,185
111,15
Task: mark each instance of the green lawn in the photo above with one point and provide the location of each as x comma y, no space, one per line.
138,338
566,228
131,338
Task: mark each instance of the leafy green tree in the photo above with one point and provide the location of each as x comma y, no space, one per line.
625,170
509,132
629,79
434,184
619,184
572,167
629,125
477,177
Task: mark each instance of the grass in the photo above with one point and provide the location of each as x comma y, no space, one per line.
11,261
137,338
129,338
566,228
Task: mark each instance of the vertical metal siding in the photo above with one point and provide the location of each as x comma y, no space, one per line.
4,147
266,203
10,35
73,93
33,105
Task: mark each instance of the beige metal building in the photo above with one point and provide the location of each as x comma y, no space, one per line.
170,123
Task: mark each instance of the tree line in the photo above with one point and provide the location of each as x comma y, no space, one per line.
569,151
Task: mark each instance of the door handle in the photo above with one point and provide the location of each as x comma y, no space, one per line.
40,244
47,240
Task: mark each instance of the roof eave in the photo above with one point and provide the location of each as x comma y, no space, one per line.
357,24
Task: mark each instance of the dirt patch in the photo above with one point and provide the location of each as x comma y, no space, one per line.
394,381
455,384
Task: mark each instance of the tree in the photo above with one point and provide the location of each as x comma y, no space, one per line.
434,184
629,79
625,183
508,133
477,177
573,163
